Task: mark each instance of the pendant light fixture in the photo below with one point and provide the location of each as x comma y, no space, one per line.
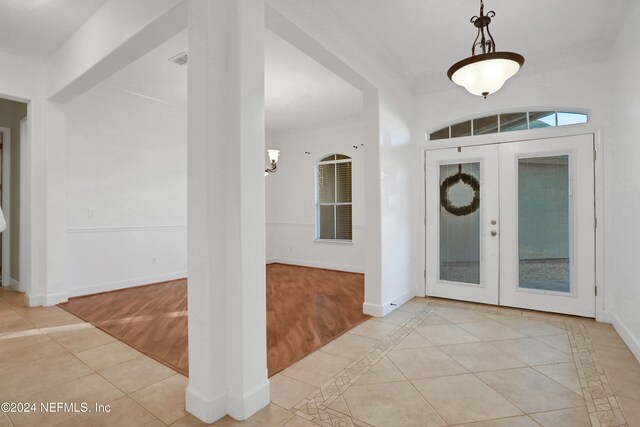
485,73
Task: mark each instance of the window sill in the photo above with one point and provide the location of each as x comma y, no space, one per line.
340,242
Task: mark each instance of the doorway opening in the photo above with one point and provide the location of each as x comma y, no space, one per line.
13,127
315,214
513,224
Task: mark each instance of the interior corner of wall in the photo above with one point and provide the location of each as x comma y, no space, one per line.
375,310
630,337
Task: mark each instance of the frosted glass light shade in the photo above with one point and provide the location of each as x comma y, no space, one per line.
273,155
485,74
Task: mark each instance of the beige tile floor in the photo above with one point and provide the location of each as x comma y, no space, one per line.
430,363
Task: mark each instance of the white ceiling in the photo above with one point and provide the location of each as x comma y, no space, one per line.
419,38
37,28
425,37
154,76
299,92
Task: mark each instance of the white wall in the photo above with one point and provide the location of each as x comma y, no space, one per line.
126,191
290,196
623,256
583,88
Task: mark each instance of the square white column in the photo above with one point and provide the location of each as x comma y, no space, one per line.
226,204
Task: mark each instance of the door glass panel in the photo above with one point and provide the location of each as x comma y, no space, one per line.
460,223
543,223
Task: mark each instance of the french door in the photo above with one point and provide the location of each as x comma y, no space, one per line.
513,224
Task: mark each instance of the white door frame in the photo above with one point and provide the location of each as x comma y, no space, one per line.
6,207
24,233
603,313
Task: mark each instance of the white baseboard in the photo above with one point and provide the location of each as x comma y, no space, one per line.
604,316
114,286
375,310
630,339
382,310
34,301
13,285
16,285
242,407
304,263
57,298
207,410
239,408
46,300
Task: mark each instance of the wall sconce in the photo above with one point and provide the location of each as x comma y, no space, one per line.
273,157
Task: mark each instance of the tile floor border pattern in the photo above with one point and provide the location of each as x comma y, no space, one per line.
602,405
315,407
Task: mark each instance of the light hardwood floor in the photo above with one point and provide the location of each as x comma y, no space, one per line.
306,308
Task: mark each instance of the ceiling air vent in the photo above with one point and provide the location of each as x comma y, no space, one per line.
180,59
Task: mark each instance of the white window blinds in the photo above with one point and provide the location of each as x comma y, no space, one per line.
334,198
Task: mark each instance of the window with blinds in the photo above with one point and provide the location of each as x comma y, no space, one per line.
333,198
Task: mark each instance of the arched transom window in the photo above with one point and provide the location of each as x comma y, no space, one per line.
509,122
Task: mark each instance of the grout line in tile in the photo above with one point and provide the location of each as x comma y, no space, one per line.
537,423
426,401
7,418
129,395
105,378
394,363
499,394
296,379
545,375
147,411
150,385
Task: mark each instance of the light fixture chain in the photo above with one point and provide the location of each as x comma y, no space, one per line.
486,41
